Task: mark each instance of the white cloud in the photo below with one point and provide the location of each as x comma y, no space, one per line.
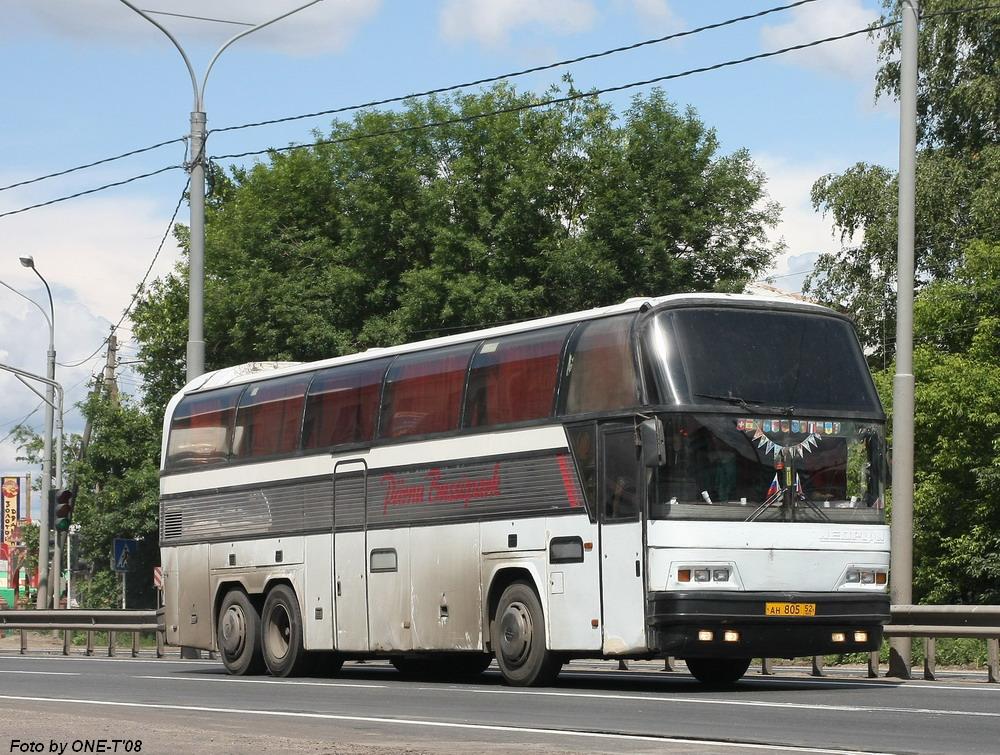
805,231
853,57
491,21
326,27
656,14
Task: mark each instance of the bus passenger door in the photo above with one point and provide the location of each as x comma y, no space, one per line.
620,495
350,547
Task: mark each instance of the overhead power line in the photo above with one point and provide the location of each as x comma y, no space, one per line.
522,72
85,192
142,284
102,161
558,100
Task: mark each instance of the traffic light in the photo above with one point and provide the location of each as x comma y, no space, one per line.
64,510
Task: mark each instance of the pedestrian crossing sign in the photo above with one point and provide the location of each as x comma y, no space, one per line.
124,550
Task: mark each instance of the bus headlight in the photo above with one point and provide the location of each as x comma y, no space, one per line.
715,575
865,577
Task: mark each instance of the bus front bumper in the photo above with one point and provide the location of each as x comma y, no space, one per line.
717,624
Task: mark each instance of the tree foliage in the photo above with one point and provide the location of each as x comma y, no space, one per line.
391,232
957,255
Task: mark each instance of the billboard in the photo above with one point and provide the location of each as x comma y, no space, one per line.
10,506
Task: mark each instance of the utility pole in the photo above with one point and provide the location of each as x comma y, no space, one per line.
109,370
901,563
196,255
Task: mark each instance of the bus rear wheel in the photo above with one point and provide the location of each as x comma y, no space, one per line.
281,632
238,635
718,670
518,638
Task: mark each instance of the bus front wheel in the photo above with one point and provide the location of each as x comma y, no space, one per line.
718,670
518,638
281,632
238,635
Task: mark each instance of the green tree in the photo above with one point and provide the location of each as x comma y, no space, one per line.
958,170
391,231
118,496
957,433
957,329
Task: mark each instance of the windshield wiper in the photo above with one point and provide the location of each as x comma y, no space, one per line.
738,400
749,404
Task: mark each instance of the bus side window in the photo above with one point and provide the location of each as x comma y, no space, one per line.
600,373
342,405
200,428
268,417
513,378
423,392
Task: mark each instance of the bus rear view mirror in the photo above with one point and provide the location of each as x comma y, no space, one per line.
654,446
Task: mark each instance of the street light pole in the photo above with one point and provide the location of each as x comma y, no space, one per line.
43,539
57,407
196,167
901,559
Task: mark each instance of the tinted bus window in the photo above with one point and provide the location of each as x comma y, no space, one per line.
343,404
268,417
600,372
514,378
423,392
199,429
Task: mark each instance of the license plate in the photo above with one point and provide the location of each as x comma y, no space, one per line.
789,609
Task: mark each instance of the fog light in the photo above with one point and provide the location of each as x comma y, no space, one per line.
705,636
683,575
731,636
861,636
838,637
720,575
701,575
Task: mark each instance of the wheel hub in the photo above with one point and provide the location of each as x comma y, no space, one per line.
234,631
515,634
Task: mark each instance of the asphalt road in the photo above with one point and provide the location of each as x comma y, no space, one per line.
193,706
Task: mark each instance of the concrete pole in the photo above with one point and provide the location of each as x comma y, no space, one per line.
44,525
901,563
196,257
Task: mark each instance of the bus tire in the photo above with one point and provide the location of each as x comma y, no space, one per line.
518,638
238,635
718,671
281,632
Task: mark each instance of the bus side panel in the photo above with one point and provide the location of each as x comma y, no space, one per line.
574,587
317,613
194,598
389,618
446,596
171,588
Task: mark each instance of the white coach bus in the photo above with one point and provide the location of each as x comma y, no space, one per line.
697,476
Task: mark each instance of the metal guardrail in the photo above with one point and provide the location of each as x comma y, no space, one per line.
927,622
89,621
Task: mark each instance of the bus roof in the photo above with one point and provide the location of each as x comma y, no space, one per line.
252,371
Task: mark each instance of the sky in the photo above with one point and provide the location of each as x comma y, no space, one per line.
92,79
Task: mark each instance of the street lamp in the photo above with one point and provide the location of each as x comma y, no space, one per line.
43,540
196,255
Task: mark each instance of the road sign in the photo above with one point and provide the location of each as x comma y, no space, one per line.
124,550
158,577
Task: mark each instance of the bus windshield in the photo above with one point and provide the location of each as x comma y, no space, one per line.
758,358
752,468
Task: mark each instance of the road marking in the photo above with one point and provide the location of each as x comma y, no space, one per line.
236,680
41,673
716,701
448,725
825,682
